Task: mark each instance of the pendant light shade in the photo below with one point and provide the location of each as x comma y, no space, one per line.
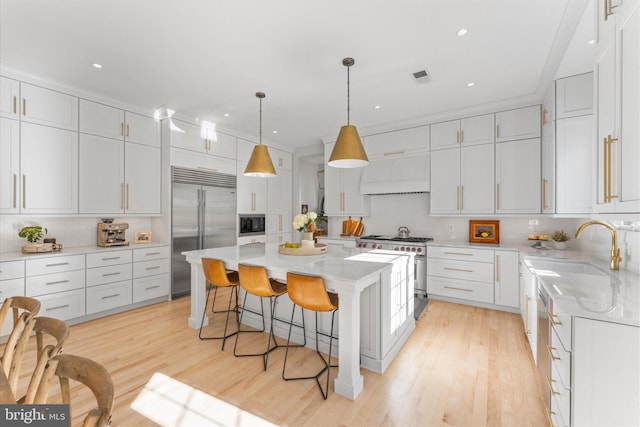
260,164
348,151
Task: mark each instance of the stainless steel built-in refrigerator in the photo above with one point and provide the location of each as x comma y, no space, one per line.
203,215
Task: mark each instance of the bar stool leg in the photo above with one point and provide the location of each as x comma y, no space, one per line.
233,292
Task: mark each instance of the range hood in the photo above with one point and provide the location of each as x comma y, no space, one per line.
397,175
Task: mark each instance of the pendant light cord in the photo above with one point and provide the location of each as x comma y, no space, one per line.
348,97
260,121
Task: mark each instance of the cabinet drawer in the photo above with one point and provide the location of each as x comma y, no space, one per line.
561,399
11,270
463,254
109,258
561,360
11,288
475,291
63,305
51,283
475,271
556,413
562,326
108,274
150,253
150,268
58,264
105,297
150,287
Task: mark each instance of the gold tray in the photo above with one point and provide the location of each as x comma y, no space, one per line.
34,248
320,248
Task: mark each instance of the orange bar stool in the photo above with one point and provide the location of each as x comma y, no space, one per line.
218,276
310,292
254,280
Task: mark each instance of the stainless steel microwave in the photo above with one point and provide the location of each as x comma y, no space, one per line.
251,225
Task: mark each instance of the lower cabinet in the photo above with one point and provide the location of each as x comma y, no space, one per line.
11,284
151,273
63,305
109,296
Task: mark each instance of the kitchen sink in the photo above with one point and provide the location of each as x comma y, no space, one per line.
564,267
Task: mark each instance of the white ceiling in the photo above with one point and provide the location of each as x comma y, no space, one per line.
205,58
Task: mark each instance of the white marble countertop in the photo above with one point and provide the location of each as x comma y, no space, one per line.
77,250
609,295
463,244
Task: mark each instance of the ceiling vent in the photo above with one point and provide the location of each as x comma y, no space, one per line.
421,76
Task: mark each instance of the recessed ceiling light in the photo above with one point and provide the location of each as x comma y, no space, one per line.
96,65
591,42
275,131
462,31
377,107
470,84
226,114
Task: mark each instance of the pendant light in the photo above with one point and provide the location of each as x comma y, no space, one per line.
260,164
348,151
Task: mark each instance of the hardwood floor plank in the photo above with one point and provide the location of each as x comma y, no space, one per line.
462,366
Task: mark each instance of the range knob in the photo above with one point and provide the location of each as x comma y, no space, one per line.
402,248
413,249
379,246
419,250
396,249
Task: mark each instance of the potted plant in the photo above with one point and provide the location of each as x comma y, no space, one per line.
560,239
33,234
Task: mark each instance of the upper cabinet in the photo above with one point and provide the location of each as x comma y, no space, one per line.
9,98
399,142
9,166
281,159
110,122
48,107
574,96
617,92
201,139
520,123
468,131
342,190
518,177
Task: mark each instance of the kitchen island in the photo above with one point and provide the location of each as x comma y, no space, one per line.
375,290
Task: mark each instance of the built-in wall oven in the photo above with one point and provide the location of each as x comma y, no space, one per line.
415,245
251,225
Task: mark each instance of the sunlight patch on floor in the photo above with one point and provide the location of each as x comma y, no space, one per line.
169,402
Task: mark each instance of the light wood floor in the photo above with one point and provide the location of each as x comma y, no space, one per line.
462,366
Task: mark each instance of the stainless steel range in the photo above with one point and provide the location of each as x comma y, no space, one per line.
415,245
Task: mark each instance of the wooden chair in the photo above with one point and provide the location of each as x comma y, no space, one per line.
91,374
59,331
310,292
217,276
24,311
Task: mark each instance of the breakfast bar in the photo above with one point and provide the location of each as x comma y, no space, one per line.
347,276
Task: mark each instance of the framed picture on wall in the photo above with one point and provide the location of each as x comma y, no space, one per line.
484,231
304,209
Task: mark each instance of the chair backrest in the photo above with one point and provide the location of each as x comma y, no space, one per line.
59,331
254,280
91,374
309,292
24,311
216,273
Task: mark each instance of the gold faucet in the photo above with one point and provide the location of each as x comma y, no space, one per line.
615,251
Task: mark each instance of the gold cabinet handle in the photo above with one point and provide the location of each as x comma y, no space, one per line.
497,268
461,136
122,195
458,137
462,197
550,350
24,106
393,153
549,414
121,129
15,106
553,321
498,196
550,382
458,269
280,222
127,196
497,131
280,162
458,198
608,9
610,142
15,190
458,289
605,172
24,191
127,130
544,193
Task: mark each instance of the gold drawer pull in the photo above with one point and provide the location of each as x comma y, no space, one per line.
550,350
458,269
111,296
458,289
58,307
59,282
553,392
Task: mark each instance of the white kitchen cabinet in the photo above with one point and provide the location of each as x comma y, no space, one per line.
110,122
11,284
251,240
468,131
151,273
398,142
548,159
462,180
9,166
252,191
574,96
573,185
142,173
411,173
63,305
279,203
108,296
200,138
528,308
126,179
507,279
9,98
548,109
518,176
617,108
520,123
48,107
342,190
605,359
282,160
49,169
193,160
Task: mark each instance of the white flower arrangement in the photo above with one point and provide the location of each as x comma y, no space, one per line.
305,222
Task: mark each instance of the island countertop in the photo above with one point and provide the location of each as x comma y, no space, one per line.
348,276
